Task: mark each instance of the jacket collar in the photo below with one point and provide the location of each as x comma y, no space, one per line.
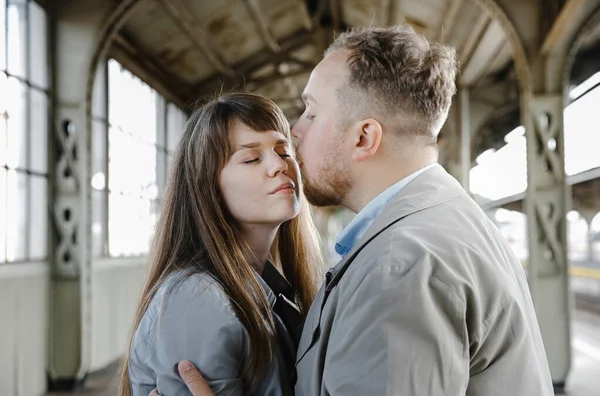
433,187
274,284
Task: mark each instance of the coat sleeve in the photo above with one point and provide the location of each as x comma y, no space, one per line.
196,323
401,332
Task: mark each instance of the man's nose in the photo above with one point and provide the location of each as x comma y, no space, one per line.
296,131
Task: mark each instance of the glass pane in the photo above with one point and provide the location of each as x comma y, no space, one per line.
124,89
119,143
130,225
99,94
582,133
99,165
17,37
125,175
39,128
38,46
16,136
161,114
3,214
98,223
175,123
161,167
143,122
146,170
115,101
38,223
16,208
3,119
2,43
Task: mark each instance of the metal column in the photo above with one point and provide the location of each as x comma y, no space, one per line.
546,203
543,41
80,33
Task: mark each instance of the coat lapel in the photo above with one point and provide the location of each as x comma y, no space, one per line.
431,188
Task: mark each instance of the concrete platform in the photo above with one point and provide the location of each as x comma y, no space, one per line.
584,379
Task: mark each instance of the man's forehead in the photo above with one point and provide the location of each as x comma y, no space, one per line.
335,63
329,73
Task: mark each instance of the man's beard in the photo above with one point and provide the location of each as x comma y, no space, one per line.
331,184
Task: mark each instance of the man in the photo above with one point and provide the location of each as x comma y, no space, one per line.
428,298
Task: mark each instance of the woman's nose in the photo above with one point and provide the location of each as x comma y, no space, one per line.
276,165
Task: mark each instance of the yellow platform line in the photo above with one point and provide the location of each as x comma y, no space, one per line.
582,272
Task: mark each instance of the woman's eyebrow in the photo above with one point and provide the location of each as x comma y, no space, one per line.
247,145
252,145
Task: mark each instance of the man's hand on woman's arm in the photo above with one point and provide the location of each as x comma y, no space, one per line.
192,378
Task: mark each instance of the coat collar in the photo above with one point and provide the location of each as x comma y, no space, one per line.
433,187
274,284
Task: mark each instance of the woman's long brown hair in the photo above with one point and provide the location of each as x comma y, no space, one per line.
195,231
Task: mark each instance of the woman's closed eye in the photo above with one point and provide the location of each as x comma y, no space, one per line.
255,160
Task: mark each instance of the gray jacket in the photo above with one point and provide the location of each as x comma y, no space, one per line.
192,318
430,302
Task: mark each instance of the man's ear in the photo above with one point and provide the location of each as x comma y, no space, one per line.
367,139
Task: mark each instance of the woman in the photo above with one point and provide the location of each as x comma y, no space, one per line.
233,212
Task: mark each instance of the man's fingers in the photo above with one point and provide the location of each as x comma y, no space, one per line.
192,378
154,393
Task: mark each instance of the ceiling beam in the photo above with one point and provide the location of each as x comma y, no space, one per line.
483,72
198,38
562,25
319,12
475,37
262,24
336,14
490,46
255,83
300,62
385,12
304,14
449,19
244,68
128,53
288,45
270,41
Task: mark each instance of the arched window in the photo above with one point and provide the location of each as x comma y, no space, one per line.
513,226
141,124
502,173
577,237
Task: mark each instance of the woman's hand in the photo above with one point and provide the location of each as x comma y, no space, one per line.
192,378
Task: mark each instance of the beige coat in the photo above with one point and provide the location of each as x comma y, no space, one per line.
430,302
